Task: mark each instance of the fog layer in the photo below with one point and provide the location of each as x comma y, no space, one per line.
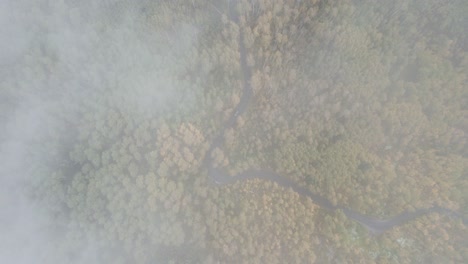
233,131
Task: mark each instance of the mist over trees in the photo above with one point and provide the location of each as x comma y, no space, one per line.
107,111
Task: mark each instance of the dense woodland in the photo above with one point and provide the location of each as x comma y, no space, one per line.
362,102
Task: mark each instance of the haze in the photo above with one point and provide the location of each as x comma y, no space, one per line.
233,131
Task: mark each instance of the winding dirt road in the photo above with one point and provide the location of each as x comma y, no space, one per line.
220,177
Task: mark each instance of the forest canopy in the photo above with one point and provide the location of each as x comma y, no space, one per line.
114,107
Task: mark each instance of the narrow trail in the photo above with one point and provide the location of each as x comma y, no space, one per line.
220,177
